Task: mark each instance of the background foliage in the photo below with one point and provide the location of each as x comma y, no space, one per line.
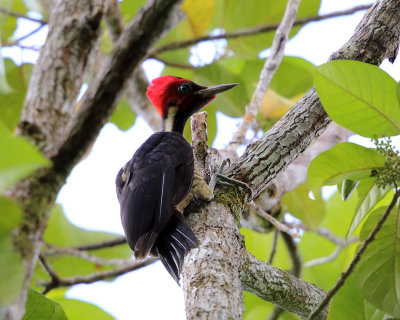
358,96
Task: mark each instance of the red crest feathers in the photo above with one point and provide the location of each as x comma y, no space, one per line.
162,90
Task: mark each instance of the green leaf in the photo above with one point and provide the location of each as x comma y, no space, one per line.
4,86
38,307
231,102
78,310
398,91
10,216
348,303
60,232
198,16
129,8
348,187
359,96
312,246
11,269
344,161
369,195
19,159
123,117
294,77
377,275
13,99
300,205
233,15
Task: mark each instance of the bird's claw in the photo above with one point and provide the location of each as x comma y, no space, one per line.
219,178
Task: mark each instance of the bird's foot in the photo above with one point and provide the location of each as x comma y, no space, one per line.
219,178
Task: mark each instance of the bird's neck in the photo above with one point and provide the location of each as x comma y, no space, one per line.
173,121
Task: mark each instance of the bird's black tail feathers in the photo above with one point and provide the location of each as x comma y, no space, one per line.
173,243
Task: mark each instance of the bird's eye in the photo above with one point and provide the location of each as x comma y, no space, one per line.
184,88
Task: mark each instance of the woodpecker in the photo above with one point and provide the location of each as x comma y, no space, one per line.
153,185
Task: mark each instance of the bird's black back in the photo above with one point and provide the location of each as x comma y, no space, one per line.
157,178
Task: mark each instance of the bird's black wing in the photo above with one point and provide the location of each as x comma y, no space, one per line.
157,178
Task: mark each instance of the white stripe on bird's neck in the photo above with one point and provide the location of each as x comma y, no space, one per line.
168,123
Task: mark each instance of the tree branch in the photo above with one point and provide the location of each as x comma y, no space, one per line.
267,73
102,245
55,251
29,34
90,278
376,38
20,15
254,30
269,283
295,257
294,175
343,276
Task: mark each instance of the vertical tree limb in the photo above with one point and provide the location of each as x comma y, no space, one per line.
74,28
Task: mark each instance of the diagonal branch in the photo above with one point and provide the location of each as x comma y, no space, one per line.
376,38
55,251
268,283
101,245
20,15
57,282
270,67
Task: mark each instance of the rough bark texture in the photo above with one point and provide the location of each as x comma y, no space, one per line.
74,28
376,38
65,147
294,175
269,283
210,275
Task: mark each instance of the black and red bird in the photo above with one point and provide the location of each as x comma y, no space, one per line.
160,174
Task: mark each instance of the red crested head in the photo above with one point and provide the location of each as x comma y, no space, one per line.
163,92
179,98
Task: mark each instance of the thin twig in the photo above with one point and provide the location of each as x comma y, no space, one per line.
270,67
327,234
274,244
56,251
254,30
20,15
294,254
55,279
277,224
97,276
47,266
315,262
356,259
102,245
335,253
16,41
